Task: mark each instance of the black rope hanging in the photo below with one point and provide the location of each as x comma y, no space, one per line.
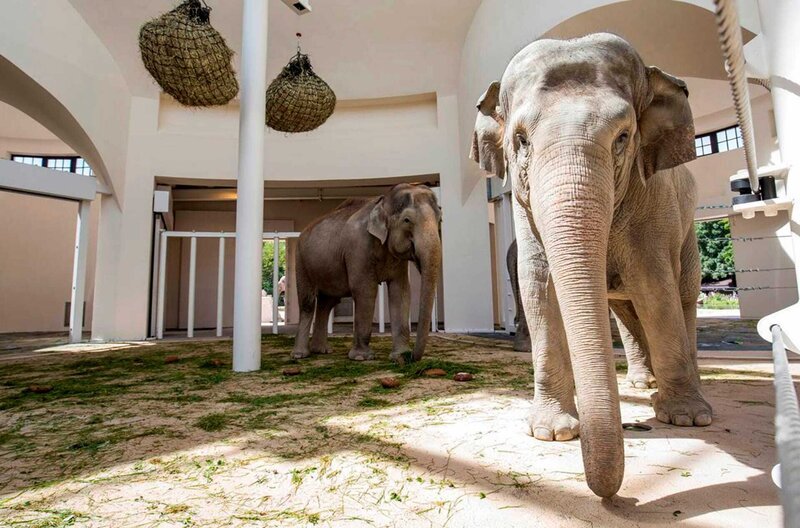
298,100
187,57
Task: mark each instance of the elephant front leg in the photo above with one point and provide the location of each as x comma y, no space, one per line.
364,300
399,306
640,371
319,338
678,400
554,415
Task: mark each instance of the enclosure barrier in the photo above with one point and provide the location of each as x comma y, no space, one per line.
276,237
787,430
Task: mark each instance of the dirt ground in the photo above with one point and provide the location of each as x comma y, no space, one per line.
165,435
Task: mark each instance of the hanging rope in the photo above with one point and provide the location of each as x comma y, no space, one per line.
730,39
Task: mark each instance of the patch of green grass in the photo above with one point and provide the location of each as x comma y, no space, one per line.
64,389
212,422
57,519
88,441
373,403
450,367
621,367
720,301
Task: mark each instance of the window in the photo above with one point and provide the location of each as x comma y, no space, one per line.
59,163
719,141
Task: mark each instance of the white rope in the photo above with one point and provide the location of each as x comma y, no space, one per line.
730,39
787,430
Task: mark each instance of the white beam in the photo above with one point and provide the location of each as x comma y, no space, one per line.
162,279
275,253
19,177
381,309
79,272
250,185
220,284
192,281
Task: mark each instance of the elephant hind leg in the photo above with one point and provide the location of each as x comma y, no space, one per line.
306,296
319,337
640,369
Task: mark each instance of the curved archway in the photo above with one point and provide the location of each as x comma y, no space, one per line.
22,92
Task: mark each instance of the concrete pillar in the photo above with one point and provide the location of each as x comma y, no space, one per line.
505,229
79,272
250,189
466,255
780,24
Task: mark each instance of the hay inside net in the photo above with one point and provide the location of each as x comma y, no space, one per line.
298,100
188,57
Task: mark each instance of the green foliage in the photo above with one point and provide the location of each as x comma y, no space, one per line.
716,255
720,301
267,259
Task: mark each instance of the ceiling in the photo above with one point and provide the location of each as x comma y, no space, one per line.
362,48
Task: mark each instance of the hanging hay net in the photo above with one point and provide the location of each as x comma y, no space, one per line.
187,57
298,100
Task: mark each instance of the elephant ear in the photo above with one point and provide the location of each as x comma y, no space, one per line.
377,226
487,148
666,126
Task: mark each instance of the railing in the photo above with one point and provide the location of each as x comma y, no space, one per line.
276,237
787,430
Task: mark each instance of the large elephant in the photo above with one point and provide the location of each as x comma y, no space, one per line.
594,141
640,370
360,244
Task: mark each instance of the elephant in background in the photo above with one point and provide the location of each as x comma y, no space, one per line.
594,142
522,337
350,251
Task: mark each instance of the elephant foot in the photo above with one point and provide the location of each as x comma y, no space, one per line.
548,425
684,410
522,342
300,353
402,356
361,354
325,349
641,379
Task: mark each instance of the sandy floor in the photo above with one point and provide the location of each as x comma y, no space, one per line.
125,438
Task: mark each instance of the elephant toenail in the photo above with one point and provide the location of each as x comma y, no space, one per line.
543,433
662,416
563,436
682,420
702,419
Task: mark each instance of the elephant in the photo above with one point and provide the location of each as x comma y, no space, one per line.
352,250
522,337
640,370
595,142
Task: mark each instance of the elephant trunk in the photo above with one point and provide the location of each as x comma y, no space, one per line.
428,249
573,209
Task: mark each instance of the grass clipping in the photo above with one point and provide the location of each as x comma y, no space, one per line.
298,100
187,57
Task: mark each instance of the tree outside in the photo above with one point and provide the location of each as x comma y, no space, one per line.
267,279
716,250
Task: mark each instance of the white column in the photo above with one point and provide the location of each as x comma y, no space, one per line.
330,322
506,232
192,284
162,280
275,253
79,272
250,189
220,284
780,23
435,313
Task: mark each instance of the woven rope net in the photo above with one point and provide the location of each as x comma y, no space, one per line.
188,57
298,100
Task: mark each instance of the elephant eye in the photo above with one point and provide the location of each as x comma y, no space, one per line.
407,220
522,139
621,142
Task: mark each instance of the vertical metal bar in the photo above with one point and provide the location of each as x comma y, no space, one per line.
79,272
381,309
220,284
275,253
192,273
162,278
330,322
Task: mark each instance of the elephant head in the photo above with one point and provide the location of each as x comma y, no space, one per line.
580,124
406,221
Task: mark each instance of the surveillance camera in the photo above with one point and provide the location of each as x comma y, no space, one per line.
301,7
